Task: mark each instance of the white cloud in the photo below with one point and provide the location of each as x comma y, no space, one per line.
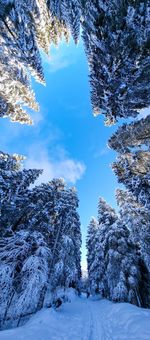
60,58
102,152
54,166
69,169
57,63
37,117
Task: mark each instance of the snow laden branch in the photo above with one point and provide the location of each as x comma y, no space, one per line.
26,28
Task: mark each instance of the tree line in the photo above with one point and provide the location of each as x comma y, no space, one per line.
40,240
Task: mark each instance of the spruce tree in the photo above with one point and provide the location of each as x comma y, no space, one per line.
106,218
137,219
68,12
19,35
117,267
130,137
96,255
122,274
106,214
91,243
23,274
116,38
133,163
73,230
65,266
133,170
15,89
25,28
14,112
14,191
40,240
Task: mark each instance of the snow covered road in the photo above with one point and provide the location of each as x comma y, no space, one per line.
85,319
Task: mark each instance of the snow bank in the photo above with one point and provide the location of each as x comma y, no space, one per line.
123,321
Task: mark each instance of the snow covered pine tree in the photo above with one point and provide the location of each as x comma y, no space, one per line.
25,28
115,265
40,232
116,38
95,239
91,245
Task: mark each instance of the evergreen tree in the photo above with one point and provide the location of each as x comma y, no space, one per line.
15,89
73,17
129,212
130,137
68,12
106,218
23,274
18,33
14,191
116,38
65,264
14,112
137,219
91,242
73,231
49,209
26,27
40,240
122,274
106,214
96,241
116,266
133,164
133,170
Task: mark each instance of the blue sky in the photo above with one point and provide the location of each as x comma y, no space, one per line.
66,140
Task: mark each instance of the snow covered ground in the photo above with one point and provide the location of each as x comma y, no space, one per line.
85,319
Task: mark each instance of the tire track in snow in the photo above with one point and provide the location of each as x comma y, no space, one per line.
91,335
99,329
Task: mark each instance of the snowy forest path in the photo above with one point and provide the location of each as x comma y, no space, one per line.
85,319
72,321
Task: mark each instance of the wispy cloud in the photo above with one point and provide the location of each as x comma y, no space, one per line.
57,62
102,152
60,57
37,118
55,165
